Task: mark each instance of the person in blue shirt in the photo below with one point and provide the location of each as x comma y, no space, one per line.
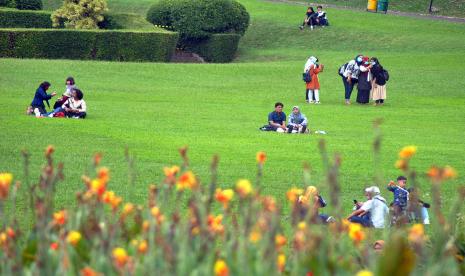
400,195
277,118
37,105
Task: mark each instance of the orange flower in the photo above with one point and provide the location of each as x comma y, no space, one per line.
255,236
142,247
441,174
186,181
261,157
407,152
293,194
416,233
221,268
401,164
103,175
244,187
280,241
54,246
449,172
110,198
5,182
87,271
3,238
269,204
127,209
215,224
120,256
145,225
74,237
97,158
356,232
10,233
281,262
98,187
59,218
49,150
155,211
171,172
224,196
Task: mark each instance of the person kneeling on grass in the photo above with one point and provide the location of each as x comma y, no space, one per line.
373,212
37,105
277,118
297,122
74,107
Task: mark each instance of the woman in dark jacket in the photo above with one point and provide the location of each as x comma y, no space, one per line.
364,82
41,95
378,91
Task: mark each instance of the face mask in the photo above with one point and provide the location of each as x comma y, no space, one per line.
359,59
373,63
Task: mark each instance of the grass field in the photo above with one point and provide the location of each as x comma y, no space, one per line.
217,108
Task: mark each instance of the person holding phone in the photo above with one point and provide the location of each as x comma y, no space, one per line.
37,105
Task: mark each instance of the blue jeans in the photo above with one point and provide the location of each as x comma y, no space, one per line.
363,220
349,87
56,110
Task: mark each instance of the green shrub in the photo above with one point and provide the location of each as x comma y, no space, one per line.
8,3
29,4
195,19
217,48
74,44
10,18
82,14
114,21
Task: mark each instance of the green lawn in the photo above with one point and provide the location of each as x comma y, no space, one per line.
217,108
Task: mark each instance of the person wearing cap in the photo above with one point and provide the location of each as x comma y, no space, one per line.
297,122
401,195
373,212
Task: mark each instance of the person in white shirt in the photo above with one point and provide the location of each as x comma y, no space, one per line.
373,212
75,107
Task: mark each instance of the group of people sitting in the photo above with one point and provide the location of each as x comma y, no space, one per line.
370,77
313,19
374,212
71,104
296,123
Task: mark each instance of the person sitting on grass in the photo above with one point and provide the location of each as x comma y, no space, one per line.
37,105
74,107
297,122
310,18
321,18
373,212
401,196
311,201
277,118
420,211
70,85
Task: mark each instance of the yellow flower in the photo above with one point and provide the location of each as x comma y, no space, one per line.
261,157
104,175
364,273
280,241
5,182
244,187
407,152
74,237
98,187
110,198
186,181
224,196
120,256
59,218
127,209
302,225
416,233
221,268
156,213
401,164
281,262
215,224
171,172
142,247
293,194
356,232
255,236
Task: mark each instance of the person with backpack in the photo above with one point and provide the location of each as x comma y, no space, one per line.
312,87
349,73
378,91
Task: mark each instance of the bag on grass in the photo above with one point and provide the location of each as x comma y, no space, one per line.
266,128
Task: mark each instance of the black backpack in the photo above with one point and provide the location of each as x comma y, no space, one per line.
385,74
341,69
306,77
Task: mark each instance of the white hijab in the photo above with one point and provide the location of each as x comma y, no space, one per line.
310,61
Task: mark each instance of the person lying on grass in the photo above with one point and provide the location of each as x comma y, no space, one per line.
37,105
297,122
277,118
373,212
74,107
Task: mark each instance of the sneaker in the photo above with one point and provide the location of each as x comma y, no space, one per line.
347,102
311,27
301,27
317,102
310,101
51,115
330,219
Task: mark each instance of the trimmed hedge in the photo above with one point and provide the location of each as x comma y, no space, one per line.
10,18
85,44
29,4
217,48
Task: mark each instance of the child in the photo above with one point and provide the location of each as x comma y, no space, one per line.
297,121
400,195
313,87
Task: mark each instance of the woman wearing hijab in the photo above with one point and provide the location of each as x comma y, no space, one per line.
312,88
349,74
364,82
378,91
297,122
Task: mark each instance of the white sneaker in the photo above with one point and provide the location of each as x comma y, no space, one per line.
295,131
310,101
50,116
317,102
330,219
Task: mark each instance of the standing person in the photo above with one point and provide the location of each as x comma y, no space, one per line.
312,88
70,85
364,82
309,20
297,121
378,91
401,196
373,212
349,73
37,104
277,118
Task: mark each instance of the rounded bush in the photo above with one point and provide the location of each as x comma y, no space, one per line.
198,19
29,4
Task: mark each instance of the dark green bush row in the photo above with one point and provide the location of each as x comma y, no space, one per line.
76,44
10,18
22,4
217,48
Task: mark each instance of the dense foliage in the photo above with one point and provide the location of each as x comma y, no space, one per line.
74,44
29,4
10,18
80,14
8,3
200,18
217,48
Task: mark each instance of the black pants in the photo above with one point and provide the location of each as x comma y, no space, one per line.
380,101
291,128
306,95
80,115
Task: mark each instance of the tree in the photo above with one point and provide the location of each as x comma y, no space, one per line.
80,14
